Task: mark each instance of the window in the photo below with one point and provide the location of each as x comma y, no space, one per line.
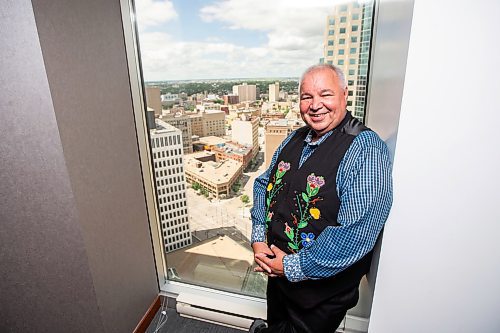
354,39
352,50
194,210
355,16
354,28
352,61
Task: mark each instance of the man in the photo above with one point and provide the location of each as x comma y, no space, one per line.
318,210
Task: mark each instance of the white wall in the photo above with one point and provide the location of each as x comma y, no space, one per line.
439,267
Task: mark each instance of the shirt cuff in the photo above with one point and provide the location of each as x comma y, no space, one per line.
291,266
258,233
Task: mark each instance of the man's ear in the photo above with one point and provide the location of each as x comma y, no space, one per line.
346,93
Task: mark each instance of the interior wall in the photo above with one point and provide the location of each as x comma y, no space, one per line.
387,73
45,281
75,248
438,267
84,54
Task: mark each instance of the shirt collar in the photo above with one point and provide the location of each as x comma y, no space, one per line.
316,143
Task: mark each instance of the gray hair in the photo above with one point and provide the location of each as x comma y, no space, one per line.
340,74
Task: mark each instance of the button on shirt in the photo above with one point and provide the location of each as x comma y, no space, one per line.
364,187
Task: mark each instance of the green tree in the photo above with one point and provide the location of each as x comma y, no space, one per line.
196,186
245,199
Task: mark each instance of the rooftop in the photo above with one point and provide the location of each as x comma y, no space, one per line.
211,171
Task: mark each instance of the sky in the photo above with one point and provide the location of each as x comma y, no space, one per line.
214,39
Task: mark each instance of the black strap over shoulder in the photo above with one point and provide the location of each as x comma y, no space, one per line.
353,126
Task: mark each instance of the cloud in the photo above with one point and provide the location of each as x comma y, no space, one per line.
294,30
152,13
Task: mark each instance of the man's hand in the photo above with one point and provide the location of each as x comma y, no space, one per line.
261,247
270,263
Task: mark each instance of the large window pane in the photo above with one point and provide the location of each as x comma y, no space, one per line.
221,84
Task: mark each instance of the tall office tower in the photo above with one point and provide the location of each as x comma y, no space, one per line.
166,145
153,99
276,132
347,45
245,92
182,122
274,92
246,132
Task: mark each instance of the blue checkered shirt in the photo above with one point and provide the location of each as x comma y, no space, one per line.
364,186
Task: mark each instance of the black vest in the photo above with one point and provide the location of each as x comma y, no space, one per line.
301,202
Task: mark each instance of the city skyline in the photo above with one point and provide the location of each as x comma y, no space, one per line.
209,40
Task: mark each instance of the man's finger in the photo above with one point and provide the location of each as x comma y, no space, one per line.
259,259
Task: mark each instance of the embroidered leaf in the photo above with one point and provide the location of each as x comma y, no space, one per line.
302,224
278,181
268,201
293,246
314,191
289,234
305,197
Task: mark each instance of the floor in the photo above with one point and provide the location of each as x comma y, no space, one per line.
173,323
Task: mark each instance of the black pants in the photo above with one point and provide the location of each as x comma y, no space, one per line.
287,316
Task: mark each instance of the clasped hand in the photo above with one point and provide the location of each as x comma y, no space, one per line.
272,265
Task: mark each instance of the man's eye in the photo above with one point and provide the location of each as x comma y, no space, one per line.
326,94
305,97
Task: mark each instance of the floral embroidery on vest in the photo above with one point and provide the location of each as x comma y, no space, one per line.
274,187
306,211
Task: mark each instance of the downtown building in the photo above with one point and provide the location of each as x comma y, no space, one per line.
245,92
274,92
167,150
183,123
208,123
347,46
245,131
276,132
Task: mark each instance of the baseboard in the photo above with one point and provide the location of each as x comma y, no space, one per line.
148,316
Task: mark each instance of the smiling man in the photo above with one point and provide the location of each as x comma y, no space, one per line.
319,209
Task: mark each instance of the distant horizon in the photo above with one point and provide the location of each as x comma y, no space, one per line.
282,78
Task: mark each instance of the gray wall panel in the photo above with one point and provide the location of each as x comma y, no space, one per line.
83,49
45,282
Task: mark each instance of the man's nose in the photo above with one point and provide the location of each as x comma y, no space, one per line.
316,104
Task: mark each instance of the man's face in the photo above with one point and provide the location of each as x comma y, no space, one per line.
322,100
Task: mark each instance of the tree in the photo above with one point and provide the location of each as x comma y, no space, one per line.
236,187
196,186
245,199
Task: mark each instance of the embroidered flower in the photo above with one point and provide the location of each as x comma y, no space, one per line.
307,238
315,213
269,187
270,216
283,166
314,183
289,232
